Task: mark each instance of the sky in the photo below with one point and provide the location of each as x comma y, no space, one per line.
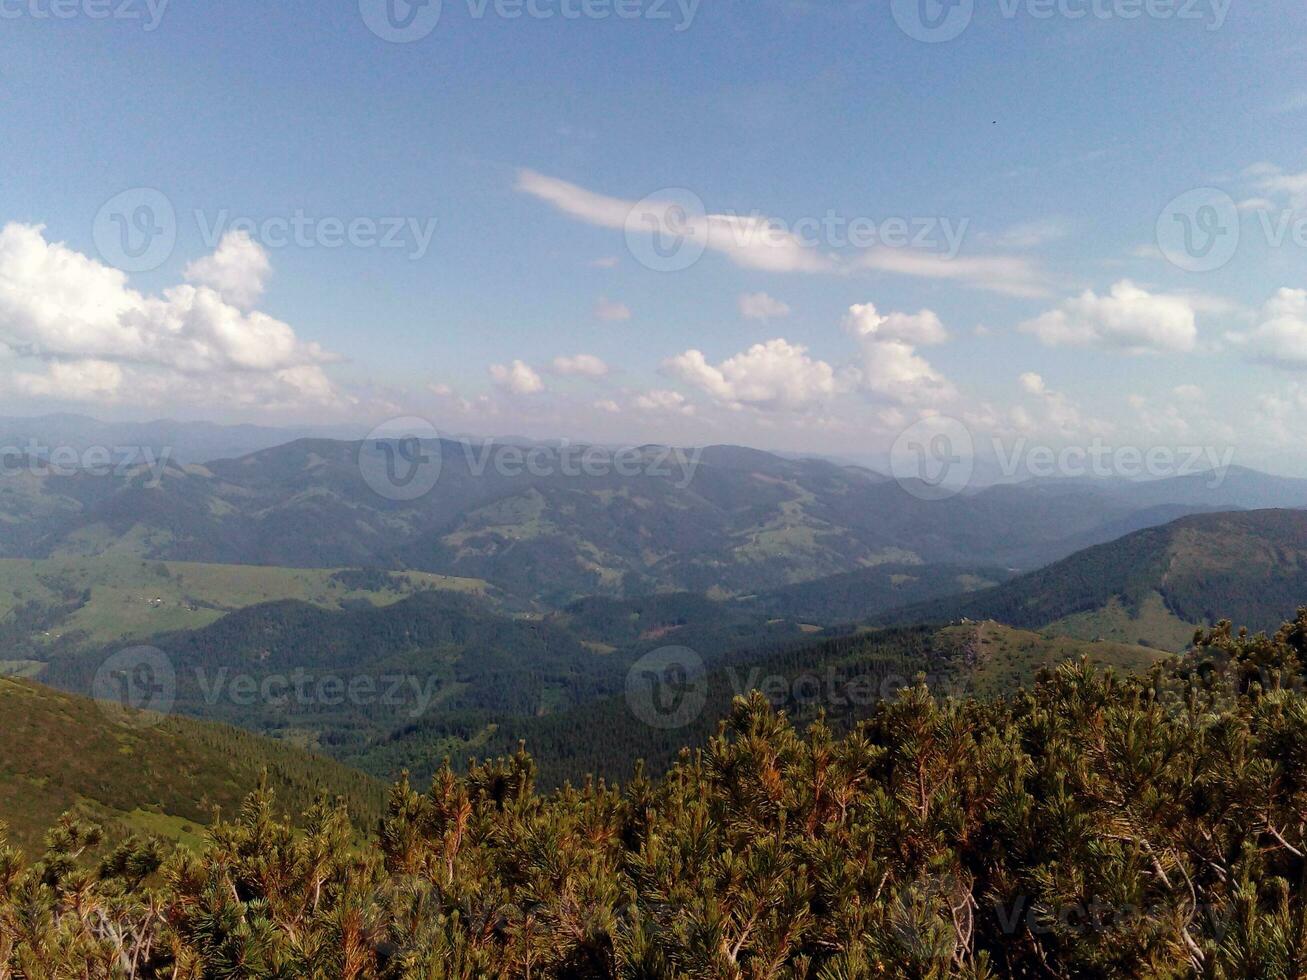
824,226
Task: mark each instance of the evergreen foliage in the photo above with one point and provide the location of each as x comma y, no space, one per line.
1092,826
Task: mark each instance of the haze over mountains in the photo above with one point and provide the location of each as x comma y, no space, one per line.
515,601
725,519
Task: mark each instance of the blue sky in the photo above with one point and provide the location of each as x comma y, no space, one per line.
1055,141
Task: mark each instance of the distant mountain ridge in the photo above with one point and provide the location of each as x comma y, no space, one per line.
1155,585
730,521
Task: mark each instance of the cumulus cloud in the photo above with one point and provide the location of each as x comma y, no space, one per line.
889,365
771,375
1270,179
84,321
1032,383
518,378
1128,317
236,271
586,365
611,312
663,400
924,327
1280,335
760,306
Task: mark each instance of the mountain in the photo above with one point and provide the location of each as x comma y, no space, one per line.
135,774
550,524
845,678
338,679
1154,586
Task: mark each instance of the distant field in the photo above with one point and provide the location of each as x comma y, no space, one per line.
1155,625
1007,658
112,599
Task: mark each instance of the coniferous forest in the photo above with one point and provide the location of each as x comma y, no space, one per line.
1090,826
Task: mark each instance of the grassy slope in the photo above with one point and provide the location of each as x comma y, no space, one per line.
123,591
59,751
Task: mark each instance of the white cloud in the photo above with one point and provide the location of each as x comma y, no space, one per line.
1270,179
73,381
755,241
441,390
662,400
890,366
1280,335
1006,274
236,271
760,306
1128,317
586,365
611,312
771,375
750,241
1032,384
519,378
83,319
606,262
609,406
923,327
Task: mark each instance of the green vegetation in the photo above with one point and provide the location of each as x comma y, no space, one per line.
845,677
161,776
1155,586
1093,826
50,606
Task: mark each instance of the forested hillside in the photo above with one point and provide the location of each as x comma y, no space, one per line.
1091,826
1154,586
